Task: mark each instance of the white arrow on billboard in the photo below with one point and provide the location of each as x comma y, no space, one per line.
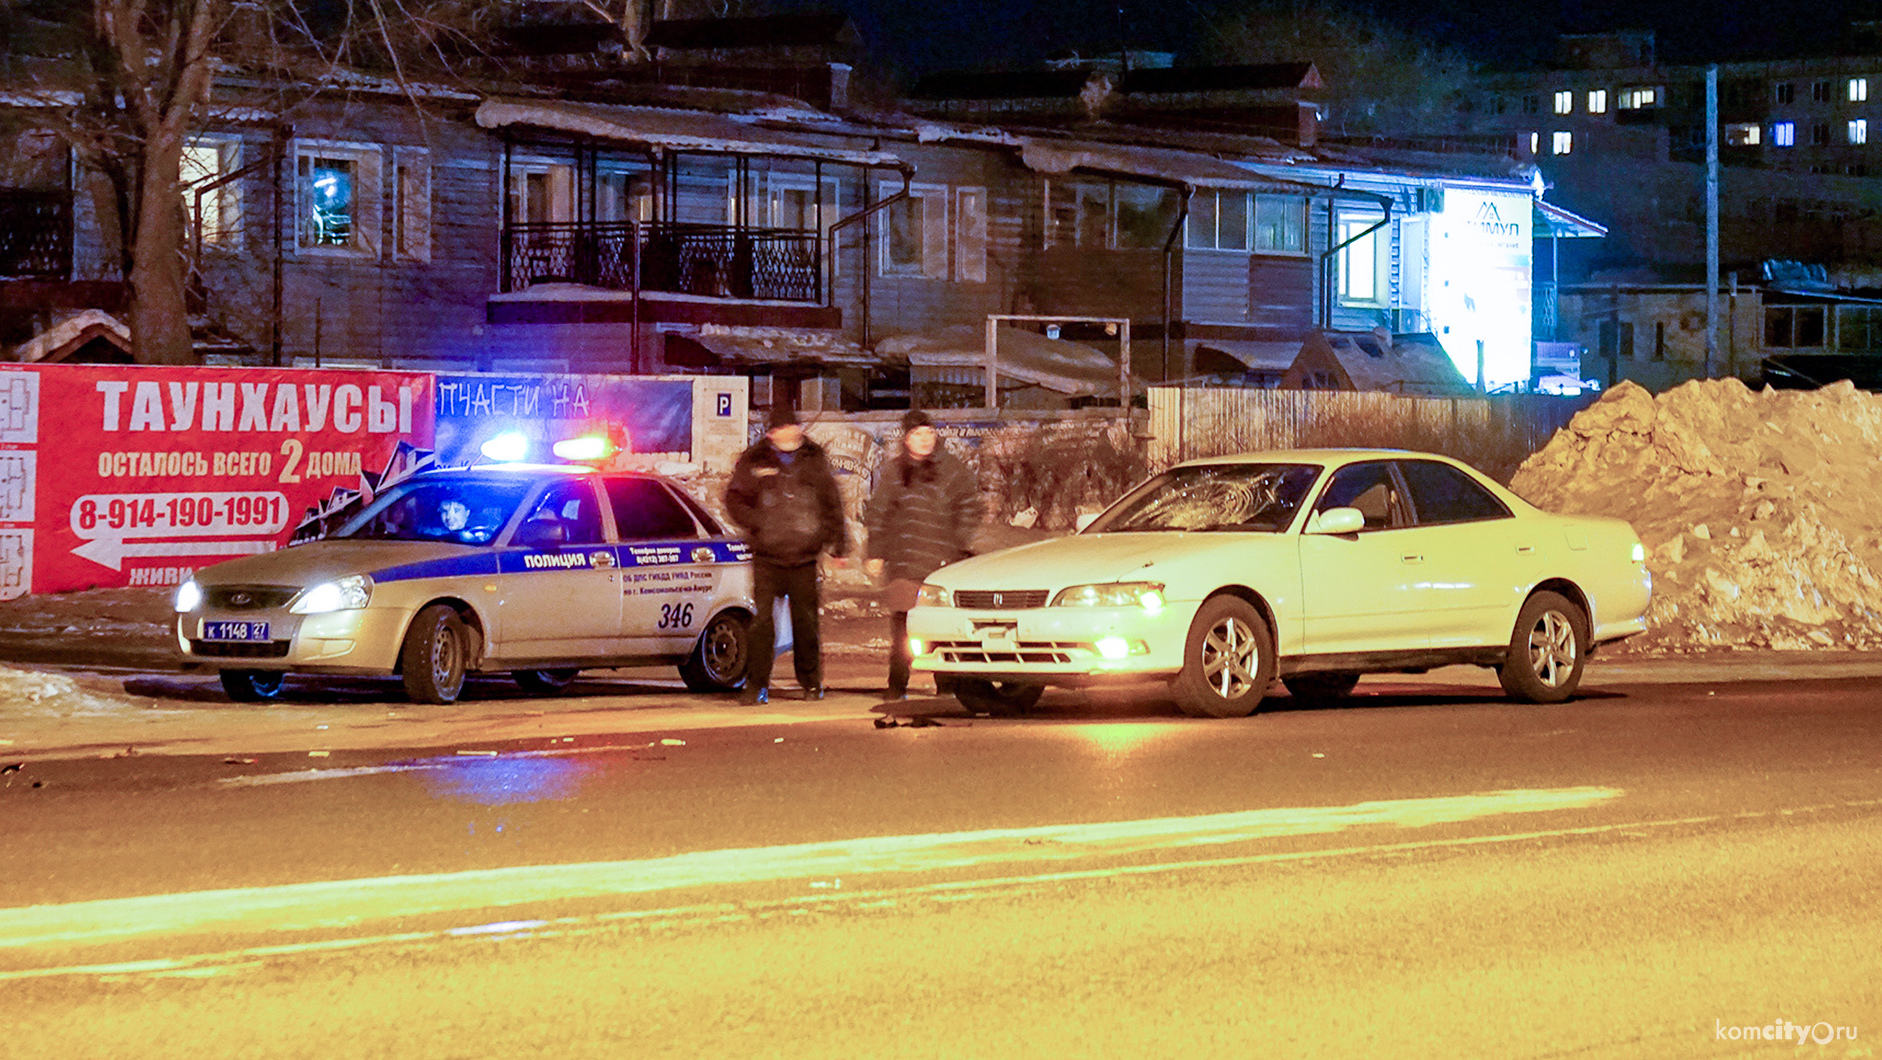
113,551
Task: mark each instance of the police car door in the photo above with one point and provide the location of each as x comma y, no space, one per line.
671,572
562,600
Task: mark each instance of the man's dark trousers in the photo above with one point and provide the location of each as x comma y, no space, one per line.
799,585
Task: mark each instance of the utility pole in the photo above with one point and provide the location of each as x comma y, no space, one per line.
1712,217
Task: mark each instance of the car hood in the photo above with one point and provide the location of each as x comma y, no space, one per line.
1174,557
319,561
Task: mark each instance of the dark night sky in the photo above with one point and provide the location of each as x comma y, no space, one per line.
925,35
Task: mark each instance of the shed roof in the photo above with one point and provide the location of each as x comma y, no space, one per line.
1397,364
671,129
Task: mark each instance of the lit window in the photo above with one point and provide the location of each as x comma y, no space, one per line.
1359,259
1562,143
1784,134
1598,101
1859,131
1858,89
339,198
1638,98
1564,102
1748,134
1535,142
207,160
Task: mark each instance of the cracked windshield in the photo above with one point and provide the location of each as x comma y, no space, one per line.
1253,497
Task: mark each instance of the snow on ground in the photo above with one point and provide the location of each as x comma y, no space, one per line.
1760,510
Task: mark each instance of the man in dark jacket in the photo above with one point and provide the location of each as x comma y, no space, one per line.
922,516
784,496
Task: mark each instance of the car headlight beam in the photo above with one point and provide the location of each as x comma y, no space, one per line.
1147,595
346,594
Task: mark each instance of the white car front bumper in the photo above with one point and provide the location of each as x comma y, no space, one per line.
1054,645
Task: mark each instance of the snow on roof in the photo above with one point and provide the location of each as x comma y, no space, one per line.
71,331
1063,156
1069,368
674,130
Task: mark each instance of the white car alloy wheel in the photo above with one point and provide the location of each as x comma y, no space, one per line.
1546,655
1228,660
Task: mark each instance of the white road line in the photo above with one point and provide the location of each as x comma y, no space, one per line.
343,903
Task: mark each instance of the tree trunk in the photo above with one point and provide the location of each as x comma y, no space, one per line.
160,327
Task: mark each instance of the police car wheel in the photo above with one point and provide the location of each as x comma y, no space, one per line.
720,656
435,656
251,686
544,682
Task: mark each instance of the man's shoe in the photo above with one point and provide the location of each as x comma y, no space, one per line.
754,696
813,691
894,695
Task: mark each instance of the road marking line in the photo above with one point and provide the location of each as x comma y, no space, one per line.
343,903
957,890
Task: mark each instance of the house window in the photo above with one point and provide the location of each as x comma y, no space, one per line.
207,159
1218,220
1617,340
1096,214
1794,327
411,204
1532,104
1858,89
1145,215
1535,143
1820,134
1659,340
1819,91
1598,101
1786,92
339,198
1639,98
1562,143
915,233
1360,259
1859,130
1746,134
1564,102
1280,224
1784,133
970,235
541,192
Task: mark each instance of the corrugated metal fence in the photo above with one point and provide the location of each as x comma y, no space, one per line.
1186,423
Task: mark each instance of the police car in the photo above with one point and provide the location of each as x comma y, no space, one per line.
532,570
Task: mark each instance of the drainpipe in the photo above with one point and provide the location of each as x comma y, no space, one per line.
908,175
1169,254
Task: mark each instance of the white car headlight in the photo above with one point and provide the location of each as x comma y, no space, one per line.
933,596
1147,595
189,597
347,594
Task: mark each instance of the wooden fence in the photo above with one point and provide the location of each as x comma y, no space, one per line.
1494,433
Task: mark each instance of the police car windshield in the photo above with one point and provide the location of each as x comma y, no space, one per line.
466,511
1249,497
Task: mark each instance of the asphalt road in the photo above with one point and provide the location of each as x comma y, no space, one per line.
1657,869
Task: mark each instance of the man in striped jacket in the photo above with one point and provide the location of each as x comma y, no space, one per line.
922,516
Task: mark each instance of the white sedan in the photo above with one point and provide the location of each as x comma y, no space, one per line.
1315,566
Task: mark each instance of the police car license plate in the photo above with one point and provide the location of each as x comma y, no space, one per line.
235,631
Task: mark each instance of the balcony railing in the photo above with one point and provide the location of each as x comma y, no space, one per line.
723,261
35,234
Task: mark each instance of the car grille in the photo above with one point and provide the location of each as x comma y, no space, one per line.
247,597
999,599
224,649
1038,651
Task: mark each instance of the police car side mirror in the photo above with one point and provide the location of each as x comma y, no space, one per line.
542,531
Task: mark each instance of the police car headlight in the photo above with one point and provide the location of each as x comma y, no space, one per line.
1147,595
189,597
348,594
933,596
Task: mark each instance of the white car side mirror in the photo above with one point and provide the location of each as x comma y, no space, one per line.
1085,520
1337,521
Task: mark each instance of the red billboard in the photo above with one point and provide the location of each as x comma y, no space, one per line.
123,475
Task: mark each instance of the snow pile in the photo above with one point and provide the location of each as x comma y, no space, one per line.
1760,511
27,691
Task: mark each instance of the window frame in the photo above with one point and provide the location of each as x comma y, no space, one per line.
1564,101
227,199
1783,134
1597,101
411,204
1496,505
365,233
1561,142
1857,131
932,256
972,234
1347,225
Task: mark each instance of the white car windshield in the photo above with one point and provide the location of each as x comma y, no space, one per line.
1249,497
470,510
